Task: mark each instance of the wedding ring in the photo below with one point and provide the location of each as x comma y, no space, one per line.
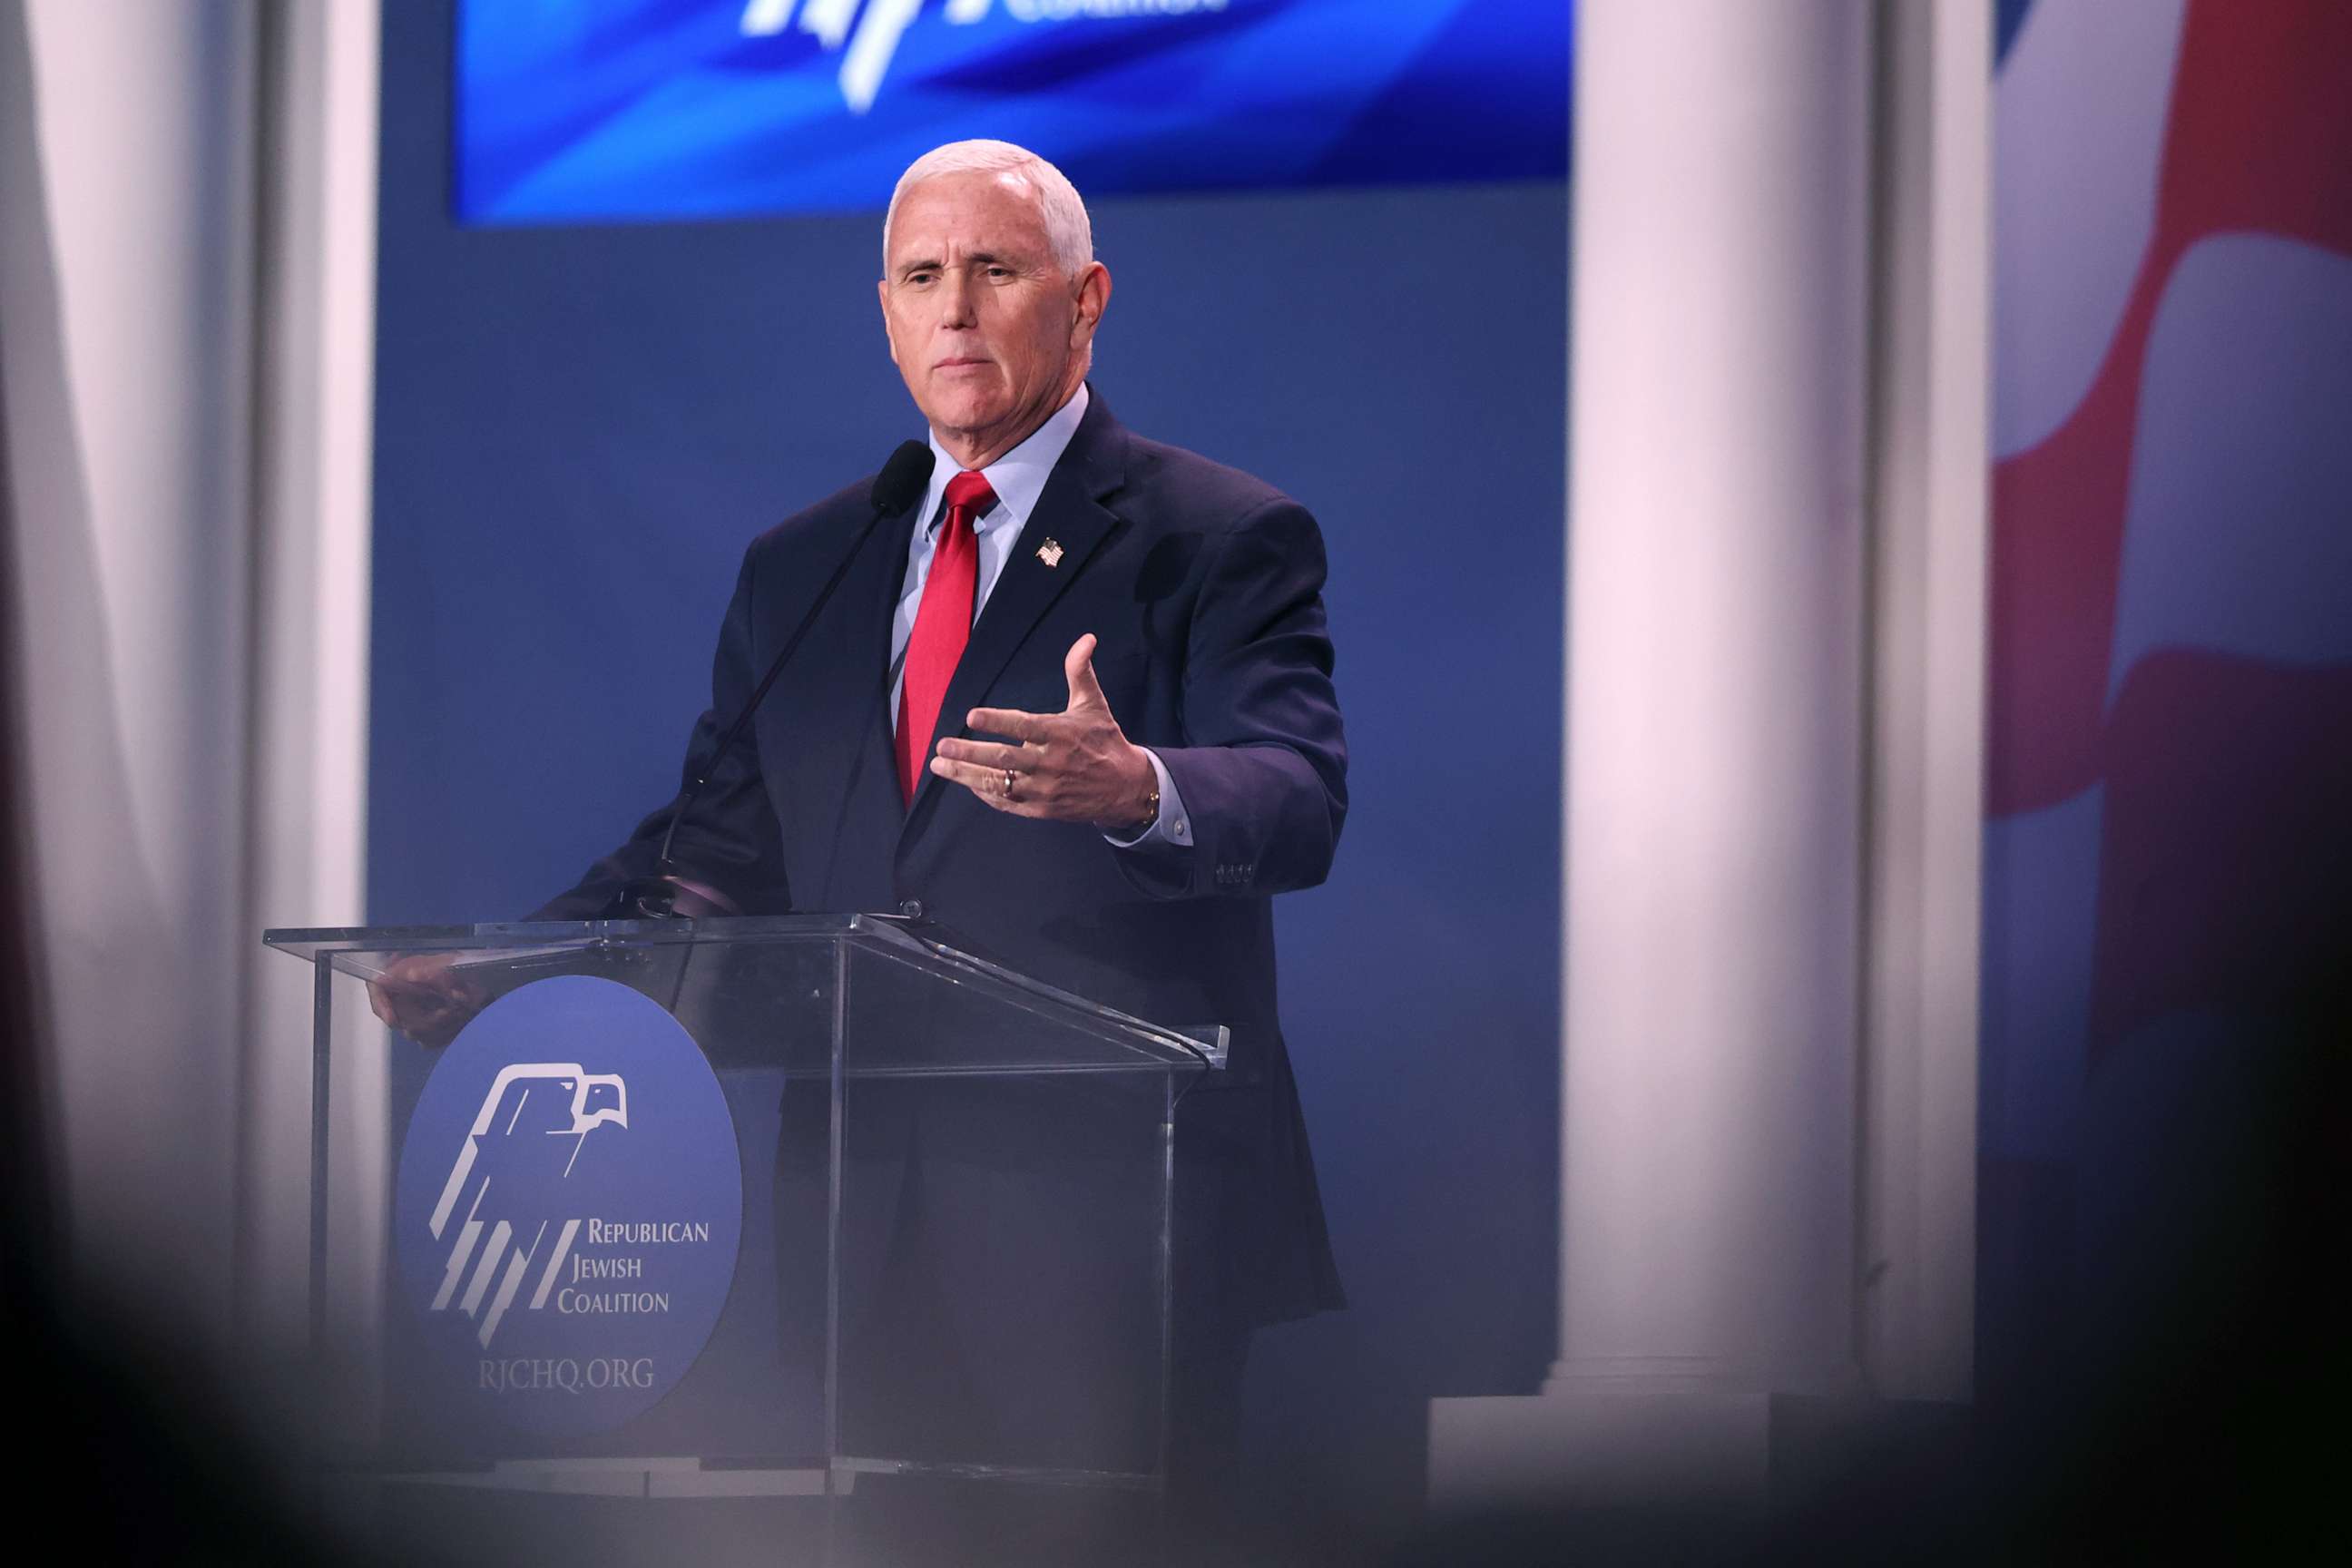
1008,783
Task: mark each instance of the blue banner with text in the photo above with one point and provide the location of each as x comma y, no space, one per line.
584,110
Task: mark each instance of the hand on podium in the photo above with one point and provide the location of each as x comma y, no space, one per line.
427,997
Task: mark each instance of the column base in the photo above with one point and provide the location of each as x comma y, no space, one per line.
1725,1445
1602,1442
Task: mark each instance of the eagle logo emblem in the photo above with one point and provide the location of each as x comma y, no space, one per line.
533,1126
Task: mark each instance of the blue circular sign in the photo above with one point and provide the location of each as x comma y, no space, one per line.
568,1207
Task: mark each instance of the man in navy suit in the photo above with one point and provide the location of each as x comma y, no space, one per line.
1076,704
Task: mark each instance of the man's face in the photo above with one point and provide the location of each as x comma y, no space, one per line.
990,334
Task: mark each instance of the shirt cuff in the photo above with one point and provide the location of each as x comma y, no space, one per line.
1171,827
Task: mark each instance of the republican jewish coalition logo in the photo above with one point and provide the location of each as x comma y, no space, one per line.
568,1208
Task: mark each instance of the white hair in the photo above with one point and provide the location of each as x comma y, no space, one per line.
1068,228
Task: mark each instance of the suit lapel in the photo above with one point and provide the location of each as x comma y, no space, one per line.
879,603
1069,513
844,689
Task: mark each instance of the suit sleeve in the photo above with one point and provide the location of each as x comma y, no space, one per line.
728,842
1264,769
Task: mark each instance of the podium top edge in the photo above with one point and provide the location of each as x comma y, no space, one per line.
309,942
921,940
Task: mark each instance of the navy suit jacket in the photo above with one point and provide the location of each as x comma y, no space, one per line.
1204,588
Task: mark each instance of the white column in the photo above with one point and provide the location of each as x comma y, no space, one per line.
1931,468
187,261
126,202
1715,755
307,794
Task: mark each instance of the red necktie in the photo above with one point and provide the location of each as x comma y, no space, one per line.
942,625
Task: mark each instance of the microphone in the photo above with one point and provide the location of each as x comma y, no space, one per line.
901,483
898,486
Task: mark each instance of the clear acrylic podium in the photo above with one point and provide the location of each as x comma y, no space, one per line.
955,1254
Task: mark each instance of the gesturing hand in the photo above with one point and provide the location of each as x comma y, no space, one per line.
1071,766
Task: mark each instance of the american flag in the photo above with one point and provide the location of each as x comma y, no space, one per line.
2170,724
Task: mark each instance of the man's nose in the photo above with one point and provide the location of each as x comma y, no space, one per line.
957,300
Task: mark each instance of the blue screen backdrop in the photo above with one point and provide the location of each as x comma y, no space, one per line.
602,110
579,426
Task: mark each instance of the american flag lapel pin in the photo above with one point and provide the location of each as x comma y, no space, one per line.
1050,552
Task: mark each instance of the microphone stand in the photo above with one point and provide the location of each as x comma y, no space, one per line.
666,895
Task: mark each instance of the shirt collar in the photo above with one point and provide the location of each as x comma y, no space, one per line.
1018,477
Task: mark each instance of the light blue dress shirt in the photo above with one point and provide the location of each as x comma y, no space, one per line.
1018,477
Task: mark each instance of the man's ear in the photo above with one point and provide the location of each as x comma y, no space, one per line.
1093,298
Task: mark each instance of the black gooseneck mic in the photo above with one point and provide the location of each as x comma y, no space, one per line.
898,486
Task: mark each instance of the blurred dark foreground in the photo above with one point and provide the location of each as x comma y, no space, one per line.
2180,1386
